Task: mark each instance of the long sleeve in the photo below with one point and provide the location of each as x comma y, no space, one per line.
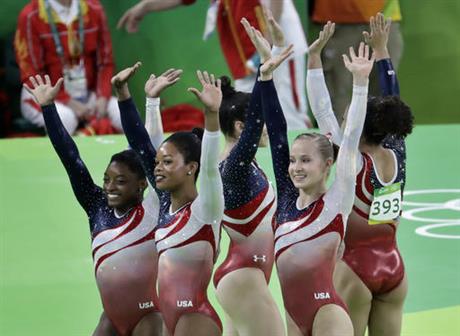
387,78
209,205
321,105
390,87
104,56
346,169
29,52
86,192
277,133
153,122
242,155
138,138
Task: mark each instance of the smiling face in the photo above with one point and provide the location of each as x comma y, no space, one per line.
123,187
307,168
171,171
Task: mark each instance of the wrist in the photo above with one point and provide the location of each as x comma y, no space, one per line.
153,95
46,103
211,111
153,101
264,77
360,80
314,61
123,92
381,53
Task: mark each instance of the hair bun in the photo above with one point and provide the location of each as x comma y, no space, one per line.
226,86
198,131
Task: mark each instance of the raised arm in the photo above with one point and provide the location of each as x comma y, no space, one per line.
135,132
272,111
245,150
209,205
133,16
243,153
318,94
344,185
83,186
153,88
378,40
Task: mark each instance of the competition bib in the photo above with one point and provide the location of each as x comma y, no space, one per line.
75,81
386,205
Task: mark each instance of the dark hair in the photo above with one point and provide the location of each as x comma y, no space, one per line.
189,145
326,147
385,116
131,160
234,106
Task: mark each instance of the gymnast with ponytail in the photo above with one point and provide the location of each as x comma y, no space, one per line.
241,281
370,277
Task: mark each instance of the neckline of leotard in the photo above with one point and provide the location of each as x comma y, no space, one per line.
392,180
175,212
123,215
308,205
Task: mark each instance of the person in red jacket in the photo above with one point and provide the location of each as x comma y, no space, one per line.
241,56
70,39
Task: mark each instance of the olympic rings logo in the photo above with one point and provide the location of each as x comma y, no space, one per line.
414,214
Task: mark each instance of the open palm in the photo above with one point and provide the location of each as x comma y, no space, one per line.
275,30
43,91
324,35
121,78
380,31
260,43
272,63
359,65
155,85
211,93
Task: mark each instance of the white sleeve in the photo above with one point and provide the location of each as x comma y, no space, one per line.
153,123
321,105
209,205
346,169
151,204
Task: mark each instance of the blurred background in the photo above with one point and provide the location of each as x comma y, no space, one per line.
429,72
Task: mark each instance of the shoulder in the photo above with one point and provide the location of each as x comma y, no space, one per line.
93,7
28,11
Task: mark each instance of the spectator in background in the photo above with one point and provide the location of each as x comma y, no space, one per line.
352,18
241,56
70,39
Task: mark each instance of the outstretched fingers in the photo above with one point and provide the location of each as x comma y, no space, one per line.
352,53
206,77
28,88
288,51
48,80
33,81
39,79
199,74
366,51
247,26
213,79
136,66
346,61
58,84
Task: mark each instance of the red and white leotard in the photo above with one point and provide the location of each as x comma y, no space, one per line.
250,201
370,250
187,240
307,239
